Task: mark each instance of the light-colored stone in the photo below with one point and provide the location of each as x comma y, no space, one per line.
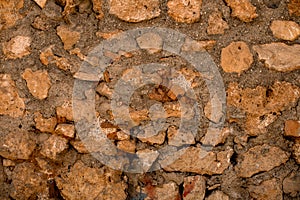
192,45
216,24
279,56
17,47
172,109
8,163
256,124
168,191
16,145
147,158
67,36
67,130
260,159
151,42
9,13
178,137
79,146
194,188
44,124
47,56
242,9
296,150
97,7
127,146
83,182
294,7
134,10
213,109
64,112
270,189
215,136
185,11
236,57
38,82
41,3
200,161
149,137
108,35
10,102
218,195
291,184
286,30
292,128
53,146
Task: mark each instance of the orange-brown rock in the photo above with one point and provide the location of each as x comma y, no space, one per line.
216,24
270,189
44,124
68,36
184,11
294,7
286,30
17,47
242,9
9,13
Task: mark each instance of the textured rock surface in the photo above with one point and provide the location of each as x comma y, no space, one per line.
151,42
294,7
38,82
67,130
41,3
67,36
17,47
218,195
242,9
9,13
291,184
184,11
194,188
261,158
236,57
216,25
64,112
292,128
97,7
10,102
53,146
192,45
286,30
279,56
44,124
270,189
134,11
159,192
296,151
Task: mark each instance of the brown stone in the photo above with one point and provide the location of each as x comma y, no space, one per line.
139,115
67,130
159,192
104,90
179,138
194,188
242,9
256,124
83,182
294,7
236,57
47,56
291,184
215,106
41,3
172,109
79,146
127,145
192,45
292,128
148,137
200,161
16,145
8,163
151,42
279,56
296,150
10,102
97,7
17,47
218,195
286,30
184,11
108,35
67,36
215,136
147,158
53,146
134,11
270,189
260,159
43,124
9,13
38,82
216,24
64,112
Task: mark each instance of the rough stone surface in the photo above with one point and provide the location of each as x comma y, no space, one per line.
270,189
9,13
150,137
260,159
215,136
10,102
83,182
200,161
159,192
286,30
178,137
79,146
134,11
16,145
17,47
242,9
192,45
294,7
147,157
64,112
44,124
151,42
38,82
291,184
41,3
184,11
296,151
236,57
67,130
216,24
53,146
292,128
218,195
194,188
127,146
279,56
67,36
97,7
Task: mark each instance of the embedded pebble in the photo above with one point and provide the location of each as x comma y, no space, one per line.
17,47
184,11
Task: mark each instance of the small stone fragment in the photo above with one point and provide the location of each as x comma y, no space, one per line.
153,139
267,190
108,35
151,42
127,146
260,159
242,9
64,112
53,146
292,128
43,124
47,56
159,192
147,158
184,11
213,109
16,145
192,45
286,30
279,56
79,146
256,124
215,136
41,3
67,130
134,11
38,82
8,163
177,137
296,150
291,184
9,13
97,7
194,188
216,24
17,47
236,57
10,102
218,195
200,161
294,7
104,90
67,36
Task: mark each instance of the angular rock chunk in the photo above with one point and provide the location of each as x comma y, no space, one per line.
294,7
53,146
286,30
151,42
218,195
296,150
97,7
216,25
184,11
67,130
242,9
194,188
64,112
192,45
9,13
43,124
291,184
260,159
10,102
167,191
17,47
134,11
292,128
279,56
67,36
269,189
41,3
